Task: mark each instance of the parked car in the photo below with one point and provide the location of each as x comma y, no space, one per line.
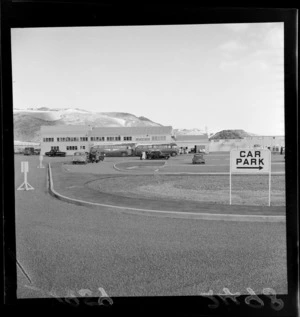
95,156
55,153
80,158
152,155
198,159
29,151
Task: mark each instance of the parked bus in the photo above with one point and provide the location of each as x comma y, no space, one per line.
115,149
166,148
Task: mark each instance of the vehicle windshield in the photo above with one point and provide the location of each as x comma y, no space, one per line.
79,154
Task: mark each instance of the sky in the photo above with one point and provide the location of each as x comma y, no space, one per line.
209,76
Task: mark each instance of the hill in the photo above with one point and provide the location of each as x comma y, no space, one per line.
27,122
230,134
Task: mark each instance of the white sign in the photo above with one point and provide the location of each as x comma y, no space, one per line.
250,161
25,185
24,167
41,161
246,161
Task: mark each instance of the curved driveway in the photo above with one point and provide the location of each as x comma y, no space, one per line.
66,249
70,185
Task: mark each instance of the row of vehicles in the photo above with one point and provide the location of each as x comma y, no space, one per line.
97,156
31,151
122,150
131,149
97,153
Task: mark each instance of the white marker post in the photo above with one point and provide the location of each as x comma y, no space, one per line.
41,162
25,185
250,161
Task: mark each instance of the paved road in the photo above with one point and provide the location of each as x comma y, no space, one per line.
183,163
130,165
65,248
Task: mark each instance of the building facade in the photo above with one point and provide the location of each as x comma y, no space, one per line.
71,138
191,141
274,143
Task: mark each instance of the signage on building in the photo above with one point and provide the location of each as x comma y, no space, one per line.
142,139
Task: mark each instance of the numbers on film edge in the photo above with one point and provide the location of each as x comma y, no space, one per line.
252,300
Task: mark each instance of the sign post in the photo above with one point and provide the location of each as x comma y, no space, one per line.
41,161
25,185
250,161
230,181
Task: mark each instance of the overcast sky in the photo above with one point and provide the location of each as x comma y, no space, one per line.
219,76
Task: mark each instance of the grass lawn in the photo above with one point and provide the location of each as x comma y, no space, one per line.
246,189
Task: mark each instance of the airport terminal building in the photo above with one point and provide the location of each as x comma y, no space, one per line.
72,138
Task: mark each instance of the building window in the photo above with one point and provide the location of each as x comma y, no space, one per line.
48,139
127,138
82,147
83,139
71,148
117,138
97,138
110,138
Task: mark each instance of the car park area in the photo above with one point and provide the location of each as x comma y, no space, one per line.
71,234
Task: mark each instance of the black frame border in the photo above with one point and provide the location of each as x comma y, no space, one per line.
20,14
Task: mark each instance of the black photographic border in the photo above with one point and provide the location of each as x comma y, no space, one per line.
68,13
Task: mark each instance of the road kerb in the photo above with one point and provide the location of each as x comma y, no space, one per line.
165,213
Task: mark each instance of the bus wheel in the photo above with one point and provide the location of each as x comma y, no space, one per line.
173,154
123,154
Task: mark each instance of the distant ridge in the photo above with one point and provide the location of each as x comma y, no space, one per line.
27,122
